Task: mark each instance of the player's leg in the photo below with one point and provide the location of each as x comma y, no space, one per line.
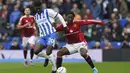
25,56
25,49
51,39
31,41
31,53
38,48
83,52
66,50
48,52
63,51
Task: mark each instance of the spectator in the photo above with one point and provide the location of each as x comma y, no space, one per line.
118,15
107,33
116,32
77,16
55,8
14,16
116,29
95,36
1,5
75,8
15,45
128,4
96,10
88,33
27,3
122,7
87,14
125,45
97,45
3,14
67,6
83,9
1,47
107,44
126,41
99,1
126,30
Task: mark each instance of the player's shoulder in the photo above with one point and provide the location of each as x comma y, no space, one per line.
23,16
50,10
31,16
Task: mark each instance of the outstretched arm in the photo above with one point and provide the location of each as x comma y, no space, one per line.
59,28
88,22
57,17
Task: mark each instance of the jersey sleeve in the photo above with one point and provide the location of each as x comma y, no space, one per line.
88,22
52,13
59,28
20,21
56,16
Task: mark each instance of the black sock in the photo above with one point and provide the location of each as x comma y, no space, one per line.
59,61
31,53
25,54
88,59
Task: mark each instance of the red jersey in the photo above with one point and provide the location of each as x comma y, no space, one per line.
74,33
30,30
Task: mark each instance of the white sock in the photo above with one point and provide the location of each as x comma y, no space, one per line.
52,61
25,59
42,54
30,60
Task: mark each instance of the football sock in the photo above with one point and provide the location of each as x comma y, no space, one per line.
52,61
59,61
25,54
42,54
32,53
88,59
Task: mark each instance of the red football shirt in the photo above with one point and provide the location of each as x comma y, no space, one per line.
30,30
74,33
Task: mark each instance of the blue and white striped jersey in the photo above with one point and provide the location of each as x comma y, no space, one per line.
43,22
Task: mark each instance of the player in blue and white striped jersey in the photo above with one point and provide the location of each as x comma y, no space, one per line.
47,32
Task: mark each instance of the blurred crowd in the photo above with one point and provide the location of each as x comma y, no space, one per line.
114,12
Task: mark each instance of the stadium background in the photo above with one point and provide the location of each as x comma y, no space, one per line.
111,41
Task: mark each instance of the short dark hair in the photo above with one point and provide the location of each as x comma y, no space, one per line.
37,3
70,12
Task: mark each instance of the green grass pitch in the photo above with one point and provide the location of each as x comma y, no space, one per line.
104,67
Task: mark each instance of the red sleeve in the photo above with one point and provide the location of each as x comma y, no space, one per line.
59,28
20,21
87,22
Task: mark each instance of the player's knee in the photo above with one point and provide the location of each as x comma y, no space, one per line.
83,52
49,50
31,46
25,48
36,51
59,53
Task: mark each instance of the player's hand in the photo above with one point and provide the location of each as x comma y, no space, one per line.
27,24
65,28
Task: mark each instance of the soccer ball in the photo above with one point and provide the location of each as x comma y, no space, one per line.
61,70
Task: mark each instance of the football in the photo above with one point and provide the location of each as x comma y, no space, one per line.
61,70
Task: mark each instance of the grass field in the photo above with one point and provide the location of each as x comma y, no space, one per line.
105,67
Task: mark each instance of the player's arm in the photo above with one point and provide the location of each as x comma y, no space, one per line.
88,22
59,28
20,26
57,17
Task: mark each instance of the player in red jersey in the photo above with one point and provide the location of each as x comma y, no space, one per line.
27,26
75,39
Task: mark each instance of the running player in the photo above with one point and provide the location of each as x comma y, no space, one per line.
47,32
27,25
75,39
